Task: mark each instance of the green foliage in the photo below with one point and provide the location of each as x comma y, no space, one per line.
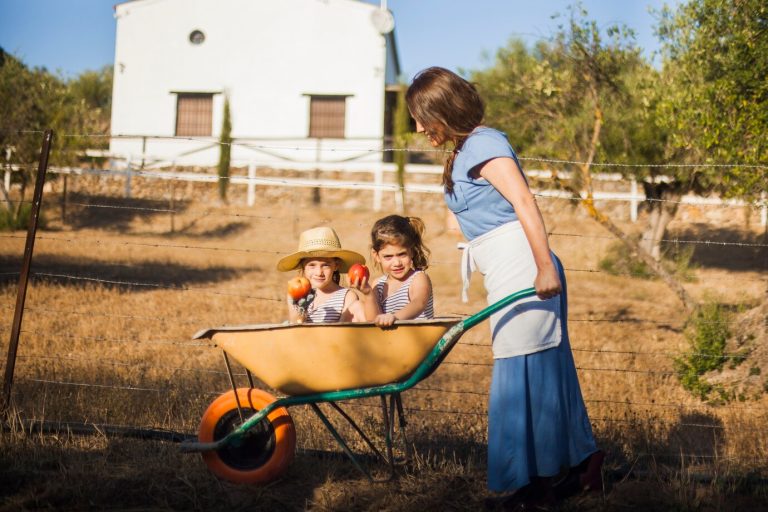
401,125
619,261
18,219
225,151
547,97
32,100
715,103
707,333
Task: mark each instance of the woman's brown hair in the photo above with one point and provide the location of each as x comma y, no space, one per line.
443,102
405,231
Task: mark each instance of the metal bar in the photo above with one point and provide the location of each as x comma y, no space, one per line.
388,430
401,415
357,428
234,388
340,440
21,295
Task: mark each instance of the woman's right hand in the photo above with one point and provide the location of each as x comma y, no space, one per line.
547,283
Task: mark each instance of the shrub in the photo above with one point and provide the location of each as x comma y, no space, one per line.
707,333
11,221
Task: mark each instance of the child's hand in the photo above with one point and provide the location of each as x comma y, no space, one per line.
384,320
361,287
300,307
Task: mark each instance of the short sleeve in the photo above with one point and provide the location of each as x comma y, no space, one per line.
484,146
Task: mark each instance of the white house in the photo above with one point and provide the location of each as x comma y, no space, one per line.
306,79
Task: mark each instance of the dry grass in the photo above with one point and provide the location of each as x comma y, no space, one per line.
110,343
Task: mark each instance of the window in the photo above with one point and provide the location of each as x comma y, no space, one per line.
326,116
194,114
196,37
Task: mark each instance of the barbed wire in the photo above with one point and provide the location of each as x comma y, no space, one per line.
99,241
551,233
581,368
332,149
672,355
152,285
652,421
188,344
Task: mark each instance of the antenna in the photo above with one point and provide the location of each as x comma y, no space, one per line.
382,19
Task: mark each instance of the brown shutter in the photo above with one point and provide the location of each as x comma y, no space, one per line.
194,114
326,116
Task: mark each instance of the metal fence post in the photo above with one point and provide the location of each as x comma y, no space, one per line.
24,274
128,172
633,201
251,184
378,179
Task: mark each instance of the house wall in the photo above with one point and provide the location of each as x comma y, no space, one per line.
266,55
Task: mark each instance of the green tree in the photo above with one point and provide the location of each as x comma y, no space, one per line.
225,151
32,100
716,105
401,129
584,95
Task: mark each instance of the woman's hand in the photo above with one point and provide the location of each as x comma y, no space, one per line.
547,283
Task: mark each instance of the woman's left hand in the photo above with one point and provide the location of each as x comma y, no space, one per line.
547,283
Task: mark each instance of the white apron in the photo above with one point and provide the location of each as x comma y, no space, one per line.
503,256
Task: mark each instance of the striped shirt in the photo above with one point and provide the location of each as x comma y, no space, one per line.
401,297
328,311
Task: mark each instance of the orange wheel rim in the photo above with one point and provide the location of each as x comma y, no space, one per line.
261,457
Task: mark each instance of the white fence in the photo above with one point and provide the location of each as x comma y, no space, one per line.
377,184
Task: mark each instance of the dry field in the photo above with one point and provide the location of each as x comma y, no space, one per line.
118,291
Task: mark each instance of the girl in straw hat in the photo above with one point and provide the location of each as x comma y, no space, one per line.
320,258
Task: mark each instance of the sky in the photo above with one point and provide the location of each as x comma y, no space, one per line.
71,36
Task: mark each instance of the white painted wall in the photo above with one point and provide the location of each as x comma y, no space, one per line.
267,55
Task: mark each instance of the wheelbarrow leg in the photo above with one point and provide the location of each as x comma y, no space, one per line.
358,430
347,450
397,397
389,427
234,387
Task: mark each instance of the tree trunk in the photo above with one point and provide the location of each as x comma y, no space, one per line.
664,200
589,204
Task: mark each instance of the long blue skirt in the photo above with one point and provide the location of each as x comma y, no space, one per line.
537,422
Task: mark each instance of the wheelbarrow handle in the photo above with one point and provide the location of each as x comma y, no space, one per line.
481,315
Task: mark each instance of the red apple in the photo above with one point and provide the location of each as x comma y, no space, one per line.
298,287
357,273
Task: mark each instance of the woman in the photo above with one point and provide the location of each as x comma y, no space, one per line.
537,422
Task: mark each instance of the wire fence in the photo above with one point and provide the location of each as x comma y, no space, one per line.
110,313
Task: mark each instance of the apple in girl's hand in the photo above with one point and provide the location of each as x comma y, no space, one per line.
357,273
298,287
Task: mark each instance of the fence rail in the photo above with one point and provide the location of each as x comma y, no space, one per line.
377,183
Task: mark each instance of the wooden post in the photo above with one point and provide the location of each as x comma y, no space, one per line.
633,203
24,274
251,184
128,172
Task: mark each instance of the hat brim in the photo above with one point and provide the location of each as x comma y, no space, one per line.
293,261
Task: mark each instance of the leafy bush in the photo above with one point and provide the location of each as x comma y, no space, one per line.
707,332
620,261
10,221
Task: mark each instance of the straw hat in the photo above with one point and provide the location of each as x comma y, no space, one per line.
322,242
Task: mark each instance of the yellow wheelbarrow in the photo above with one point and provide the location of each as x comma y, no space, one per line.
247,435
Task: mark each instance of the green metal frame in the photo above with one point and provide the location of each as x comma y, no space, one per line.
425,368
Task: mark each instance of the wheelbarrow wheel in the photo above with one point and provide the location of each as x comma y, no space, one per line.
260,456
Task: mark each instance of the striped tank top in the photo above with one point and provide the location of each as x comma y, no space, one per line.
328,311
401,297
